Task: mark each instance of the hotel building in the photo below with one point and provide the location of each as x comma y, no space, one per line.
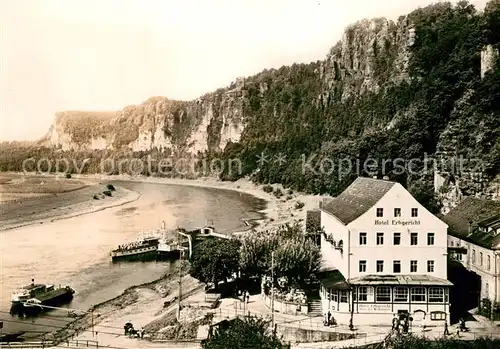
383,254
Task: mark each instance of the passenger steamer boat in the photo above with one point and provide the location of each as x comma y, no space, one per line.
154,246
34,298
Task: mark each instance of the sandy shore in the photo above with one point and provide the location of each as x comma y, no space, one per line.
52,207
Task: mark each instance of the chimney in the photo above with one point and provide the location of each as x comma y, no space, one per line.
470,227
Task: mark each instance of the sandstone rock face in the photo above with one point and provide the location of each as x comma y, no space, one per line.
488,58
371,54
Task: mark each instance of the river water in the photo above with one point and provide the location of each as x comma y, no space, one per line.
75,251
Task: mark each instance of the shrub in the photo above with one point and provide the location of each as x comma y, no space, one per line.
299,205
96,197
278,193
110,187
68,175
107,192
268,188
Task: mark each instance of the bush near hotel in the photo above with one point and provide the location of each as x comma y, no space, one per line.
250,333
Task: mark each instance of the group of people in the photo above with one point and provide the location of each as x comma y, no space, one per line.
329,320
399,324
244,296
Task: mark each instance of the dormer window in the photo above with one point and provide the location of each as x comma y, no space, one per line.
380,212
414,212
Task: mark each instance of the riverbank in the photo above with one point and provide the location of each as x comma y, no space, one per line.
141,305
38,199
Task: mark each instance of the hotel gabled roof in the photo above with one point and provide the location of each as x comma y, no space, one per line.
478,212
358,198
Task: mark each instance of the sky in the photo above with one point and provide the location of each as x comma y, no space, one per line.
106,54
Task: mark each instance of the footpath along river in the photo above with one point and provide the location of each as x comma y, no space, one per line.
75,251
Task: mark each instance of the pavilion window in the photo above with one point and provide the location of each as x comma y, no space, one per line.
401,294
436,295
335,296
362,294
418,294
383,294
343,296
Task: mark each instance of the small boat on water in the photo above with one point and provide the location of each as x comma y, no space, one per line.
35,298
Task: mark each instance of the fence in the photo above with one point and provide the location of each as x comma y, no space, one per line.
47,344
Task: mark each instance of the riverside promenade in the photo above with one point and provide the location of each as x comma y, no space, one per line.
113,338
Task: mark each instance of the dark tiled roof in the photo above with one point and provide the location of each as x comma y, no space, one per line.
478,212
313,221
400,279
358,198
334,279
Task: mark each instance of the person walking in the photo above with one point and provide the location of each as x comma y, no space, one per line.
446,332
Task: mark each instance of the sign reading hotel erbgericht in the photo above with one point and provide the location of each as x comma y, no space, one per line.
396,222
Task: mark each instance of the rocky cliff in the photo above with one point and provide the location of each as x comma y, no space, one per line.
424,86
372,54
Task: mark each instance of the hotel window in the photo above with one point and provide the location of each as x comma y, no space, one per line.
430,238
362,294
414,212
380,238
380,212
488,262
397,212
362,238
473,256
418,294
430,266
397,238
413,266
396,266
343,296
451,243
380,266
383,294
362,266
413,238
400,294
436,295
487,290
481,259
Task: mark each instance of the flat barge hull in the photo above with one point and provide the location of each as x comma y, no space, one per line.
57,297
136,257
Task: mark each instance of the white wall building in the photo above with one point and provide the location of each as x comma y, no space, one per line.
475,227
384,254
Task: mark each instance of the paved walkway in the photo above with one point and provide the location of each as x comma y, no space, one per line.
231,308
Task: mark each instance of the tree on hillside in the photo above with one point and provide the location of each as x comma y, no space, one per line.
250,333
423,192
215,260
